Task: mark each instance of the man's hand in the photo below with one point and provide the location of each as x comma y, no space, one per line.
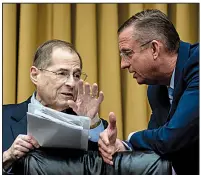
20,147
87,103
108,142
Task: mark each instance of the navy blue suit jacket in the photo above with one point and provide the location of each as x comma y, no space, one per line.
15,123
173,131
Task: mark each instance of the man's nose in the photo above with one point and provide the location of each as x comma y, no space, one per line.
70,81
124,64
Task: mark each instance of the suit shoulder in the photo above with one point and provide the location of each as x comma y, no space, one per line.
195,47
193,57
194,51
12,109
191,68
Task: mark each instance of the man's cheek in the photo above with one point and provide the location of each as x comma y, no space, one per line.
75,94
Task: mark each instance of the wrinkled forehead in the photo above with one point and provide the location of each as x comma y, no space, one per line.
65,59
126,34
126,39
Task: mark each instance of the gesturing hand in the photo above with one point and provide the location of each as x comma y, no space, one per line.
87,103
108,142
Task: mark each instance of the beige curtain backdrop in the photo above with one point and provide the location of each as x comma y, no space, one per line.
92,28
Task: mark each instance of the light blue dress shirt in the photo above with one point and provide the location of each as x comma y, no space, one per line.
171,87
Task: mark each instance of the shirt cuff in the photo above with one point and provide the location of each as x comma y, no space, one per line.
127,145
95,132
130,135
8,171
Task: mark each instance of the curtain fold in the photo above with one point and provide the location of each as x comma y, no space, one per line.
9,52
27,47
92,28
86,39
109,62
61,20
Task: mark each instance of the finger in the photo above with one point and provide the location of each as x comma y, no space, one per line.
24,143
26,138
80,87
112,121
104,147
104,137
101,97
18,154
94,90
107,161
87,88
72,105
105,154
34,141
21,148
105,157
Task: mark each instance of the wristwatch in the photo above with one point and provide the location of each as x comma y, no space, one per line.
96,121
95,124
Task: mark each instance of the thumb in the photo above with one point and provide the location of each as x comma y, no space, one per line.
112,121
112,129
72,105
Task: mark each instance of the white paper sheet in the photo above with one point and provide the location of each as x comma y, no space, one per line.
56,129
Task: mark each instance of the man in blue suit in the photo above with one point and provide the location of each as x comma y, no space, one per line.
58,77
150,48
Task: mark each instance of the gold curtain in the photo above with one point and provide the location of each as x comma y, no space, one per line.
92,28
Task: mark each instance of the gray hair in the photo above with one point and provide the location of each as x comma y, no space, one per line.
43,55
153,25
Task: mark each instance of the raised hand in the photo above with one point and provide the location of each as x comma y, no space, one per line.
108,143
87,103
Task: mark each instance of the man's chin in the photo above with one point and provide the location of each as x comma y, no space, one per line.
140,81
62,106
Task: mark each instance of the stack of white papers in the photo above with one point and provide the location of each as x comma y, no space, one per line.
56,129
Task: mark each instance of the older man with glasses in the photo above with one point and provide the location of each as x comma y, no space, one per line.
57,74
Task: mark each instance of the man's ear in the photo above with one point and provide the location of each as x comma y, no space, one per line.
34,72
155,49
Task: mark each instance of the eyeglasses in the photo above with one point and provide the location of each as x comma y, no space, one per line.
146,43
126,55
63,75
129,53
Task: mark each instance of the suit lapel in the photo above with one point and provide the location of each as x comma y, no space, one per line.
183,56
163,106
20,127
20,118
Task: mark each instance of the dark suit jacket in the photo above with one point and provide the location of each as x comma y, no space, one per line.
15,123
70,161
173,132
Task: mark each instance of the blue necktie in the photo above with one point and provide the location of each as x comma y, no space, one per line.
170,94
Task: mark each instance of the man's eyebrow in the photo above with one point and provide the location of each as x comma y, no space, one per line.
125,50
67,70
77,70
62,69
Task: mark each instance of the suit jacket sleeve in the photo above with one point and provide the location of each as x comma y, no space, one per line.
183,128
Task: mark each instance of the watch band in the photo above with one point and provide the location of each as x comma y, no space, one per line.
95,124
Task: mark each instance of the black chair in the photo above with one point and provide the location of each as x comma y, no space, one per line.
76,162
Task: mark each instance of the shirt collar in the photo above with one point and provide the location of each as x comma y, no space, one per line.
39,105
172,80
35,101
